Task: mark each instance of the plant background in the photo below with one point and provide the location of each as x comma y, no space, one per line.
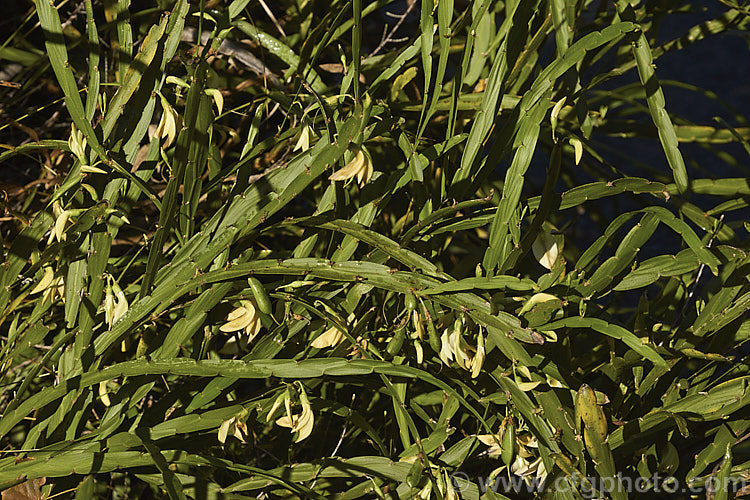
171,307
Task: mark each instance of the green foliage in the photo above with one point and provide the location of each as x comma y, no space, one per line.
282,258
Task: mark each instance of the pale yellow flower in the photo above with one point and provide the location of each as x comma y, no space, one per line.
545,247
454,346
303,143
45,282
334,335
51,286
77,144
426,492
419,350
58,231
493,442
237,427
330,338
103,393
115,302
527,468
244,318
281,398
301,423
526,462
217,97
167,127
478,359
446,350
357,350
577,149
447,482
360,167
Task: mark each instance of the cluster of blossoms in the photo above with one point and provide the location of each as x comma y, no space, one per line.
455,347
300,423
519,452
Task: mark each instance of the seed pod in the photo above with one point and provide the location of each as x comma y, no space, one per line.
261,296
509,441
434,337
584,398
594,420
395,344
410,301
598,425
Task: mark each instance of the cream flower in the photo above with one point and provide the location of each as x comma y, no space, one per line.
577,148
330,338
244,318
217,97
453,345
303,143
525,460
77,144
301,423
104,393
357,349
450,492
167,127
548,246
334,335
236,425
52,286
44,283
115,303
446,350
493,442
528,468
360,167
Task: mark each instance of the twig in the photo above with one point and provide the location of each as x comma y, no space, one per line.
341,438
702,267
389,38
73,15
273,18
343,431
232,49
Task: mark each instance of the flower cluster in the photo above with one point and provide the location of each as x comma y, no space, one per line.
455,347
115,303
301,423
521,454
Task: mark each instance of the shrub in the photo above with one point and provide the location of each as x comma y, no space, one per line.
295,258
